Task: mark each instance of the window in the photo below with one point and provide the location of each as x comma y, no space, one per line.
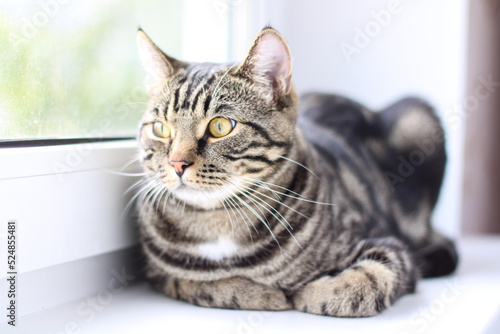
71,69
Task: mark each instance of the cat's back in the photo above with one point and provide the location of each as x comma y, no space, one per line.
337,126
333,111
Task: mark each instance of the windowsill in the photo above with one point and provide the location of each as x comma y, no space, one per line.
467,302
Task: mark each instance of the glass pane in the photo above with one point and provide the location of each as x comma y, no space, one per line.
71,68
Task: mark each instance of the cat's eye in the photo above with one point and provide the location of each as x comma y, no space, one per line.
220,127
161,130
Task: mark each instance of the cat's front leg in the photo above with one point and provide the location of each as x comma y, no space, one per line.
382,271
230,293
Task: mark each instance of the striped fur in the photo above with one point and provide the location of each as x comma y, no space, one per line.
294,209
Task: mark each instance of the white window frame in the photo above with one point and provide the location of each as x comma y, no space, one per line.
68,201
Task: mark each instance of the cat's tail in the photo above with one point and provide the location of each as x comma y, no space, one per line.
415,155
412,158
438,258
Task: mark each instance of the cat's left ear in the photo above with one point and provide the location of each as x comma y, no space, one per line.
157,64
269,62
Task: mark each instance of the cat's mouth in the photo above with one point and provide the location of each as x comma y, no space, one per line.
183,186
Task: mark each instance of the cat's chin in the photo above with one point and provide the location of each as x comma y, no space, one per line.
201,198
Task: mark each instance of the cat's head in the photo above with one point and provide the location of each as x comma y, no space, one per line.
211,129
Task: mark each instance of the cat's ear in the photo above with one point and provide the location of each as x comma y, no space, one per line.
157,64
269,62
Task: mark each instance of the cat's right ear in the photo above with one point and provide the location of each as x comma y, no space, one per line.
269,62
157,64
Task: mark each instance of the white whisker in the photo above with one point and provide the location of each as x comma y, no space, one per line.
152,195
267,183
158,192
150,183
129,163
264,220
301,165
302,198
238,209
165,201
217,86
137,184
183,208
272,199
229,216
124,174
289,227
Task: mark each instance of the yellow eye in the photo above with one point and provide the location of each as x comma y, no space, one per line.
220,127
161,130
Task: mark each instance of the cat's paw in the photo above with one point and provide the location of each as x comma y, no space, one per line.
233,293
361,291
263,297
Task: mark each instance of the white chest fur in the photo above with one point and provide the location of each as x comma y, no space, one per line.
224,247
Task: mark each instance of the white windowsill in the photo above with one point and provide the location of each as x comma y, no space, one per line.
467,302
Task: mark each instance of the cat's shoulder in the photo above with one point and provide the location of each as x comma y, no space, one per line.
335,112
330,107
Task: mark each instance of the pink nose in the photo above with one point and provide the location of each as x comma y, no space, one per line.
180,166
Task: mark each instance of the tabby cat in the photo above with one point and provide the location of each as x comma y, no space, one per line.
252,200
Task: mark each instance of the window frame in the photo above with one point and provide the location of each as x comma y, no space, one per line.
67,247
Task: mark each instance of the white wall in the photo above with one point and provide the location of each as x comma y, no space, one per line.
420,51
